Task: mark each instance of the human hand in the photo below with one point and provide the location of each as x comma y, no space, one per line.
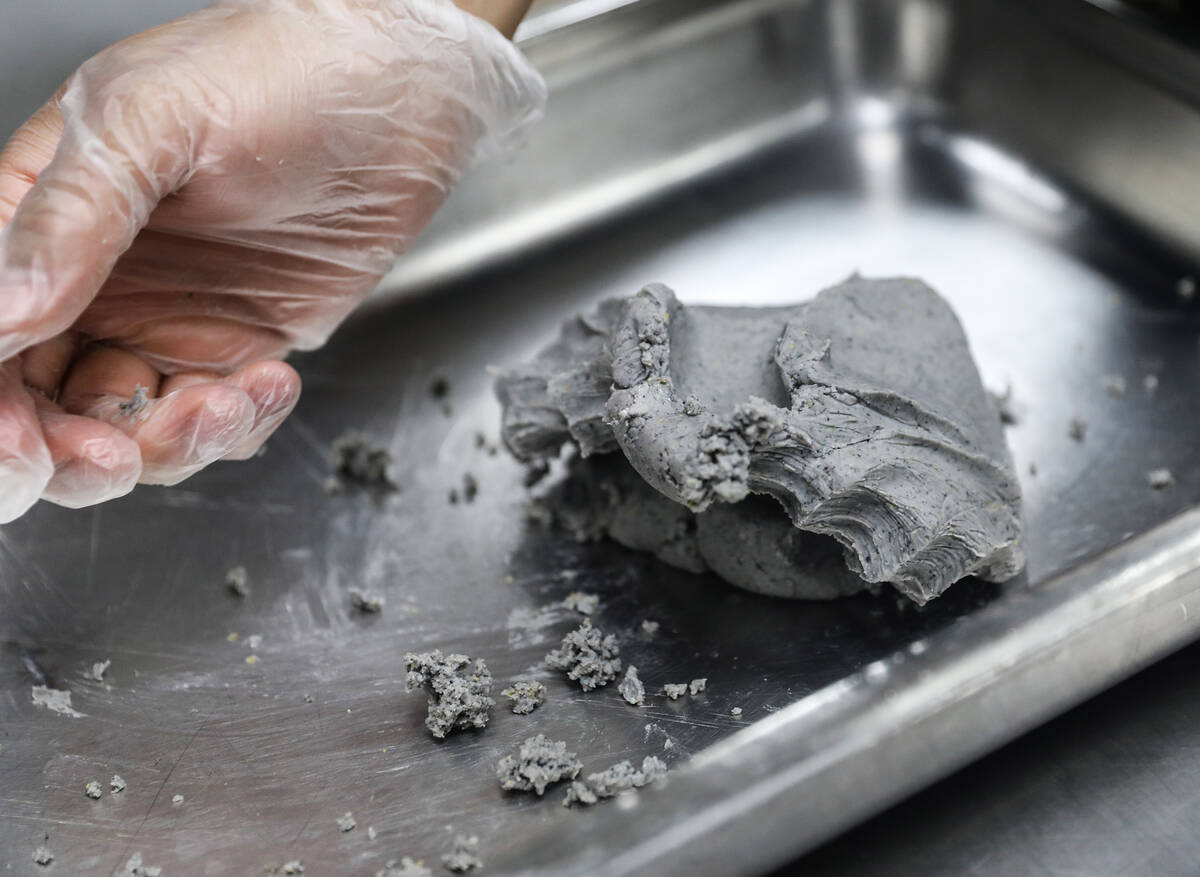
207,195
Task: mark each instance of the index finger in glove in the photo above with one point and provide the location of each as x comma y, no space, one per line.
25,463
118,155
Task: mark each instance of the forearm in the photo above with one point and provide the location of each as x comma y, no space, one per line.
504,15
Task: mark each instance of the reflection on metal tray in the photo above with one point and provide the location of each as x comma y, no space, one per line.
1005,150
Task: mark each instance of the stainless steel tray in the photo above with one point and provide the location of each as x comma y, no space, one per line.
1035,161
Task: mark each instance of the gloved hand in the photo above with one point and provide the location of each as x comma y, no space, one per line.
207,195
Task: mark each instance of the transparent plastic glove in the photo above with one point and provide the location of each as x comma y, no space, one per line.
208,195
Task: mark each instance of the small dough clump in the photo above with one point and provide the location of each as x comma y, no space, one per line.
404,867
460,694
465,856
588,657
93,790
675,690
631,687
584,604
537,764
346,822
358,460
614,780
526,695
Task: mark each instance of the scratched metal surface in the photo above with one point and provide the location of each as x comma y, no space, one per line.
1053,291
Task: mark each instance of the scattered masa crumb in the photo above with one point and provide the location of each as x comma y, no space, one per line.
98,669
1160,479
588,657
631,687
613,781
692,406
696,686
56,701
526,695
538,763
465,856
459,693
358,460
116,785
346,822
371,832
736,711
136,403
93,790
405,867
366,601
650,628
177,800
675,690
236,581
42,856
135,868
584,604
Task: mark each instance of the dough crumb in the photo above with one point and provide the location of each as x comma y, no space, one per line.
587,656
97,671
614,780
692,406
56,701
1114,385
696,686
1160,479
93,790
177,800
405,867
1004,406
371,832
293,867
538,763
116,785
135,404
465,856
358,460
135,868
675,690
237,582
365,601
631,687
346,822
1077,428
42,856
526,696
254,641
584,604
736,711
459,693
650,628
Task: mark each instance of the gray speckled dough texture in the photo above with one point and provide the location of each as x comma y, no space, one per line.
857,418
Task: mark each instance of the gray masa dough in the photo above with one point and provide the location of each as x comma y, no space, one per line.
811,450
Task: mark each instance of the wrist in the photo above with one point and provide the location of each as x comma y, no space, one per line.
504,15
